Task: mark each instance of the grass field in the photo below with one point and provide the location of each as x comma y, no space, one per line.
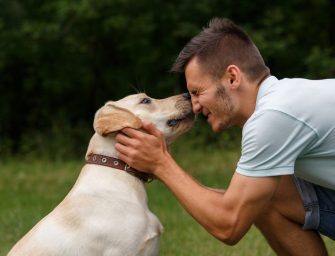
29,189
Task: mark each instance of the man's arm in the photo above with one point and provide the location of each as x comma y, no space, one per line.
228,215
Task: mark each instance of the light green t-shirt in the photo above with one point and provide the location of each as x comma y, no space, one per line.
292,131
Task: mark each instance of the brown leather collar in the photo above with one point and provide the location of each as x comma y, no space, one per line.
118,164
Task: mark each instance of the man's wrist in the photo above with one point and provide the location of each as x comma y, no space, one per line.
163,166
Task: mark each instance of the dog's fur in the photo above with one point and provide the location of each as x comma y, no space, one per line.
106,211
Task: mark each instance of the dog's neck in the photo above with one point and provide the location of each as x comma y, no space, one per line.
102,145
108,181
101,151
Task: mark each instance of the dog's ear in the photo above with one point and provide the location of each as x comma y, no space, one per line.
111,118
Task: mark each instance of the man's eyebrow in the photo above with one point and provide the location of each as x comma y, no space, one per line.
194,91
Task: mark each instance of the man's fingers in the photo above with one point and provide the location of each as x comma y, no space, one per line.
121,148
132,133
124,158
148,127
123,153
152,129
123,139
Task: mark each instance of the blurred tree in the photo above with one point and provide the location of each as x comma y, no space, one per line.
60,60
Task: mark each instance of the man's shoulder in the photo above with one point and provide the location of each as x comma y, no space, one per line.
297,97
301,99
270,124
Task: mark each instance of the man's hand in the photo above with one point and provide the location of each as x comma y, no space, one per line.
143,151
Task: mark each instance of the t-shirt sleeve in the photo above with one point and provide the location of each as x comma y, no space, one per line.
271,143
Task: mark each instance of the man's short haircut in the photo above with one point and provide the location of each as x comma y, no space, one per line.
219,45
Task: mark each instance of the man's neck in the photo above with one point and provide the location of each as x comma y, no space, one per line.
248,100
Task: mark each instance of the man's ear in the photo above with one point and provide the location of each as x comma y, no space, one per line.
111,118
233,75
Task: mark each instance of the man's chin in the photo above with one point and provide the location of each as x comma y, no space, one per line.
218,128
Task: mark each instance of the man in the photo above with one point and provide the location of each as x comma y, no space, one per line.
285,179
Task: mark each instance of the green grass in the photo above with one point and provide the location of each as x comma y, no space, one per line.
31,189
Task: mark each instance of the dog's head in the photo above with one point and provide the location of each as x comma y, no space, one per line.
172,116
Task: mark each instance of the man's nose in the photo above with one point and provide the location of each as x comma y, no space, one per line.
196,107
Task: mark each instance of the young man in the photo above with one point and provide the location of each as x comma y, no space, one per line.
285,179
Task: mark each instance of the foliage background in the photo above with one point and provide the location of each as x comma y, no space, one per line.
60,60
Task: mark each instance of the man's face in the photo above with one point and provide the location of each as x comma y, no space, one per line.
209,97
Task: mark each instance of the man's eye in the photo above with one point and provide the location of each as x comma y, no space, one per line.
145,101
195,93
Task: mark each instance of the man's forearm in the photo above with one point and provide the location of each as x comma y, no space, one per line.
206,205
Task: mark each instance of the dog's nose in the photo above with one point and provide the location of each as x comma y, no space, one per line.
186,96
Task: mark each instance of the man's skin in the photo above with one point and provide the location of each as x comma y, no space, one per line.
271,203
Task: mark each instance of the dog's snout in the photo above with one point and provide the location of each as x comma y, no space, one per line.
186,96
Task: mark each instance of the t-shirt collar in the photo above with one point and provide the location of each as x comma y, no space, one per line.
265,85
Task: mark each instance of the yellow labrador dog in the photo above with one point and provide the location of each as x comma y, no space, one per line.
106,212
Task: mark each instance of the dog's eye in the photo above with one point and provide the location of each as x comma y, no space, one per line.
172,122
145,101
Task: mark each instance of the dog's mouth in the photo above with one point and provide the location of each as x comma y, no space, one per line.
175,121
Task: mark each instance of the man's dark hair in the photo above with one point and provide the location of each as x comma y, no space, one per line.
219,45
